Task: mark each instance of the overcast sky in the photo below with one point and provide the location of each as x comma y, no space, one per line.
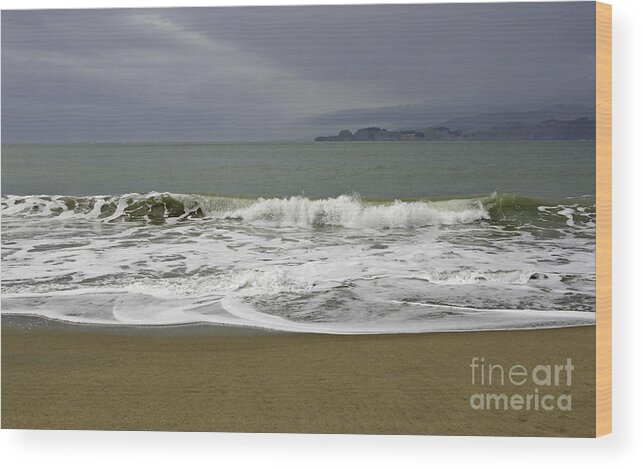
284,73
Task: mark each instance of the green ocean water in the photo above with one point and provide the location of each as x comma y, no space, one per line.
550,170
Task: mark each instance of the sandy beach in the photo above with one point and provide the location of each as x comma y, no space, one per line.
208,378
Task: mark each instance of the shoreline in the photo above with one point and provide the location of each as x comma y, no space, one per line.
59,375
37,322
31,321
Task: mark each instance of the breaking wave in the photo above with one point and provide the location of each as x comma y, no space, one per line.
348,211
345,211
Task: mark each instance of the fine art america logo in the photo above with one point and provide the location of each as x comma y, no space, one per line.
545,395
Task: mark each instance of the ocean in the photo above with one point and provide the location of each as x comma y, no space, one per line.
382,237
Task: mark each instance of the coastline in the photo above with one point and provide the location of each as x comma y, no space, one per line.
59,375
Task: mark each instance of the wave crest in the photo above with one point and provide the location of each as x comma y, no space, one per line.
347,211
351,212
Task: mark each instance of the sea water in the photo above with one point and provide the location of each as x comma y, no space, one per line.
312,237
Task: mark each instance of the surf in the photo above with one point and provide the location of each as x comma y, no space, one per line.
346,211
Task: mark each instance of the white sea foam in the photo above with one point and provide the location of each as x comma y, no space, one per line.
339,265
511,277
351,212
127,308
272,281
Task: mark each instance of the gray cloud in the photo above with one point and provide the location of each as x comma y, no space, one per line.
284,72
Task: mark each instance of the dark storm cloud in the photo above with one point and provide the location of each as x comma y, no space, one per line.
284,72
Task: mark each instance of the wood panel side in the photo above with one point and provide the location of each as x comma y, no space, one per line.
604,219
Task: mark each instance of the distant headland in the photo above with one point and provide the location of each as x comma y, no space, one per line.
583,128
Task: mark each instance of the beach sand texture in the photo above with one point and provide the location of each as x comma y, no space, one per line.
58,376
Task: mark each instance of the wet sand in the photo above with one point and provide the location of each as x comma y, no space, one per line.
213,378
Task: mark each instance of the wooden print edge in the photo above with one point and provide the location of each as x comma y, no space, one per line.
603,219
